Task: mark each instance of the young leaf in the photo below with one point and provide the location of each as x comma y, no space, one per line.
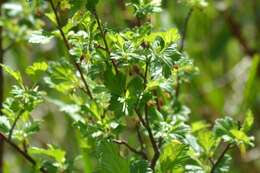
249,88
62,76
110,160
174,156
57,155
248,122
224,165
4,124
36,68
40,37
15,74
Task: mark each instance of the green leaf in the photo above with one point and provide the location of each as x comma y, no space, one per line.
198,126
169,37
223,126
139,166
207,140
62,76
31,127
197,3
241,137
40,37
248,122
249,88
224,164
229,131
28,98
4,124
115,82
110,160
15,74
57,155
145,8
173,156
36,68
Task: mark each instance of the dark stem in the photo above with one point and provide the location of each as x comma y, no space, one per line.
141,153
14,124
139,136
104,39
185,27
146,123
220,158
152,139
140,118
77,65
20,151
236,30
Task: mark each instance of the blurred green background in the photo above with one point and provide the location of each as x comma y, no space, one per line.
222,39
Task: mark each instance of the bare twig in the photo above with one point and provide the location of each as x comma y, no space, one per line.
14,124
77,65
146,123
153,141
139,136
185,27
122,142
220,158
20,151
236,30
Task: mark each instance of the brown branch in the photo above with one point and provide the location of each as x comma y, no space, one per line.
20,151
104,40
236,30
185,27
77,65
139,136
220,158
141,153
146,123
152,139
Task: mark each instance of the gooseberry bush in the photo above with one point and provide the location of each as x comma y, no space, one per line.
116,83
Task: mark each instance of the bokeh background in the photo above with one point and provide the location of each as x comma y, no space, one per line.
222,39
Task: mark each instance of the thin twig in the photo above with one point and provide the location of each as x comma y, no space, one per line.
14,124
140,118
77,65
122,142
185,27
146,123
104,39
20,151
140,139
220,158
236,30
152,139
